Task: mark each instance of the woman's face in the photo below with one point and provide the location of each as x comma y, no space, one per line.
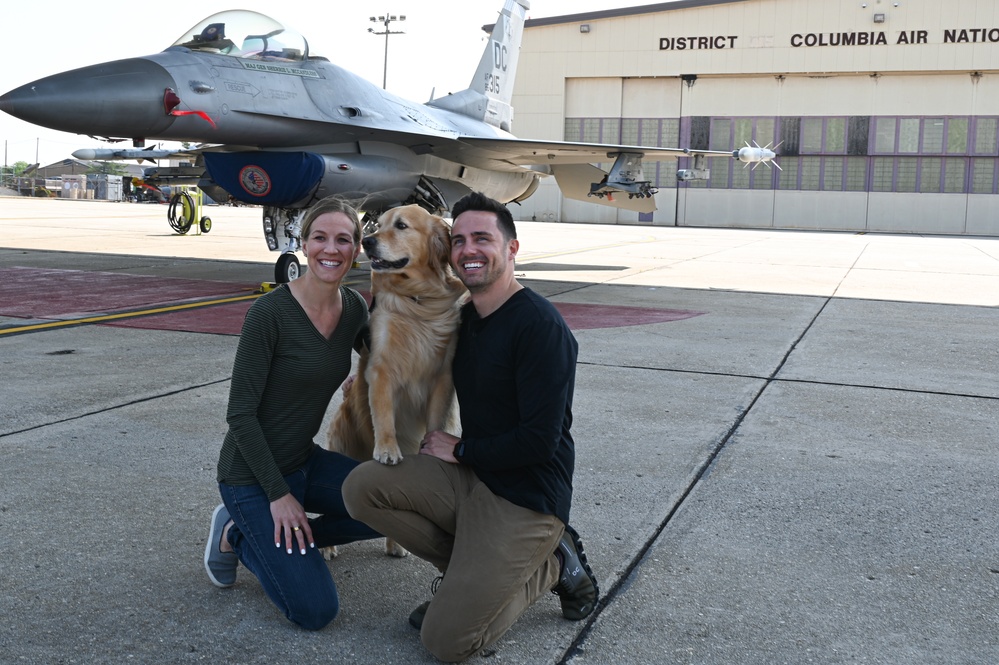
330,247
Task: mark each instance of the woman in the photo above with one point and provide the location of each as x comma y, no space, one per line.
293,353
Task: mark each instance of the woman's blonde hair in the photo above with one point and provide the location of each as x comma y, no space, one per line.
332,204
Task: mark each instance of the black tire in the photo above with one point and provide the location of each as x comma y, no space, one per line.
287,268
206,224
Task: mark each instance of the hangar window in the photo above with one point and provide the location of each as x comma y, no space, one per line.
908,135
983,176
957,136
929,174
884,137
985,135
905,174
933,136
955,174
856,174
883,172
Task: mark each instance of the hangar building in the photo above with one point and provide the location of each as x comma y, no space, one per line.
886,113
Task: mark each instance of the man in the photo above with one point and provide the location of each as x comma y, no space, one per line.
490,509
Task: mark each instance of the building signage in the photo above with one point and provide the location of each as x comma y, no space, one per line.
872,38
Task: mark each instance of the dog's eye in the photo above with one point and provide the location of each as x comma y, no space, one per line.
401,225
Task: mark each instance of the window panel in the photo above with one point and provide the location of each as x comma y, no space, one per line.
933,135
810,167
884,140
611,131
719,171
761,177
766,131
788,178
954,175
740,175
832,174
983,173
883,170
811,135
957,136
929,174
630,131
985,136
908,135
905,169
573,130
591,130
648,132
856,174
743,133
835,135
721,134
670,133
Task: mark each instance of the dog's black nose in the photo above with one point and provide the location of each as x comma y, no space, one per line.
368,242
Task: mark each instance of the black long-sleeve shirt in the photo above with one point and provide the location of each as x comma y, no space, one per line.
514,373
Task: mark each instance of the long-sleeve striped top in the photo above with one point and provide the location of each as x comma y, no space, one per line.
283,378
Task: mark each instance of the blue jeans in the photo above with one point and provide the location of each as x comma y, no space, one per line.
301,586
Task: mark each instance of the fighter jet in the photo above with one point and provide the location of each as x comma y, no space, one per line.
279,126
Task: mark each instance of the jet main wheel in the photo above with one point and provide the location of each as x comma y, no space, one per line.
287,268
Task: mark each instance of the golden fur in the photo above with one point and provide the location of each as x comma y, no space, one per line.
404,387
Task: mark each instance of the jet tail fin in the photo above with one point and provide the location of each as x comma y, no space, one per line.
489,94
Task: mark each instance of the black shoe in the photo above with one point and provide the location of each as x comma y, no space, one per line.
416,616
577,585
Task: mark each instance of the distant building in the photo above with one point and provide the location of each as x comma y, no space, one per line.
78,167
886,113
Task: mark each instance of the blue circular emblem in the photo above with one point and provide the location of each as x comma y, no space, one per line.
255,180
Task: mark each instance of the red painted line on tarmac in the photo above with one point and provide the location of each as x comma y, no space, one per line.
34,293
56,295
589,317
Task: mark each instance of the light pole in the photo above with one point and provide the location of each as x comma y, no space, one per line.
385,20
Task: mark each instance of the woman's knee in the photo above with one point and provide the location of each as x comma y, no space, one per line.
313,618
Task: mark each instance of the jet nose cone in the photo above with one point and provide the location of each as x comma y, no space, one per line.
120,99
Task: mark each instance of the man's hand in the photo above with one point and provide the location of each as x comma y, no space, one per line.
441,445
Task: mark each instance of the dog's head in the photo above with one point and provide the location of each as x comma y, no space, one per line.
408,238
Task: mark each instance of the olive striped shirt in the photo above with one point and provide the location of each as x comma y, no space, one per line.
283,378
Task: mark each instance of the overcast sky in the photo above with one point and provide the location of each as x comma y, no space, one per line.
440,49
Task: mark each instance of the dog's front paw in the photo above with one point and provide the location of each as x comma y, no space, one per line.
387,455
393,548
329,553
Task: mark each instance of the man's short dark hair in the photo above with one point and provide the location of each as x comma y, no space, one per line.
482,203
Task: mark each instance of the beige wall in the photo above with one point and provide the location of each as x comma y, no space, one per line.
619,70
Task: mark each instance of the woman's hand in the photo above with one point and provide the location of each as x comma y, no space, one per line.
290,522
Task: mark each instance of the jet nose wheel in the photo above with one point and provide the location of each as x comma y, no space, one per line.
287,269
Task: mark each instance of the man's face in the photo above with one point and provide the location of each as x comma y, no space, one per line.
480,254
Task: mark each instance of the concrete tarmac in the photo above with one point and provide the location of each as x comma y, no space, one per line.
786,448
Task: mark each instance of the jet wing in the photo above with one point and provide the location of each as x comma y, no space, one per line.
527,152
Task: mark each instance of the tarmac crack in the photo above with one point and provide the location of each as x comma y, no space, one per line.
133,402
627,577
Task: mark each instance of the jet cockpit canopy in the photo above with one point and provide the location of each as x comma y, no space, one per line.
245,34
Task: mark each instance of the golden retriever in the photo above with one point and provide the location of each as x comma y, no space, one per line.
403,387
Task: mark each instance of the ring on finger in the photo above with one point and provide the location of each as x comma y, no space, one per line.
295,528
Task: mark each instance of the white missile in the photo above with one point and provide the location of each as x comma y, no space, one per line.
754,154
113,154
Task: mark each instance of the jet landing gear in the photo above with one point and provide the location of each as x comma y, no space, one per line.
287,268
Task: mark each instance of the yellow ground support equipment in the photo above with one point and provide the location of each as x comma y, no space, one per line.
185,211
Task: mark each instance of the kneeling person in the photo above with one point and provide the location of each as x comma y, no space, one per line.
490,509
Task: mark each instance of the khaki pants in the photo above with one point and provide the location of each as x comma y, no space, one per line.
498,557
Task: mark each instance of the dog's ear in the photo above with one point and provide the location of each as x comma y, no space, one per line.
440,243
